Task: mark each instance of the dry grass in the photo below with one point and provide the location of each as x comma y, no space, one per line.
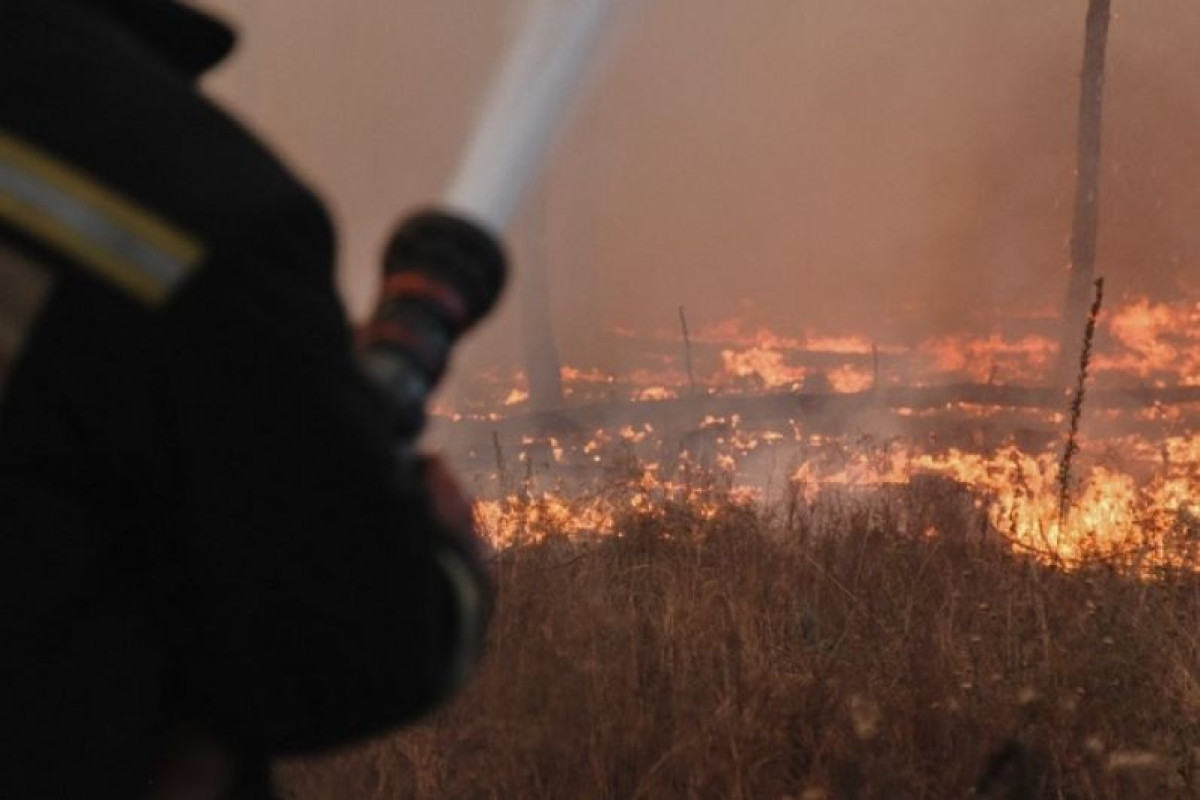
878,647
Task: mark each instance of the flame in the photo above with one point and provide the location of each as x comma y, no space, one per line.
1142,341
732,331
1155,338
516,397
1111,516
764,365
993,358
848,379
1130,497
846,345
577,375
651,393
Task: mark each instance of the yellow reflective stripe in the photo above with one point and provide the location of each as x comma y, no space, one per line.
94,225
74,244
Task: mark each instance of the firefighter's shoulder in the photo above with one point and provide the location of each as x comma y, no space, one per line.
55,206
114,164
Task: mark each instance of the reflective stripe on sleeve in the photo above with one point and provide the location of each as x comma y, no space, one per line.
93,225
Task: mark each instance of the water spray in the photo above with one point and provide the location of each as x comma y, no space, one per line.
524,108
445,268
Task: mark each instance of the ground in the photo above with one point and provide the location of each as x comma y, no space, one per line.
837,646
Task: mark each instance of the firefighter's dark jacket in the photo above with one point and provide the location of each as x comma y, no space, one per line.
201,518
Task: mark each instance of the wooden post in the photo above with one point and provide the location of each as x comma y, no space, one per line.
542,364
1085,227
874,367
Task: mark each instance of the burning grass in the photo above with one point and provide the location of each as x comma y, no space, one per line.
764,608
1142,342
1129,502
878,642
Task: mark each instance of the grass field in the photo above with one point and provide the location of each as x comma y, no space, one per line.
881,644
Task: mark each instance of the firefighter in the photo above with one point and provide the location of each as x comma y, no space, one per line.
210,553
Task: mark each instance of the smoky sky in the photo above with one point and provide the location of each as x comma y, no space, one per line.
894,168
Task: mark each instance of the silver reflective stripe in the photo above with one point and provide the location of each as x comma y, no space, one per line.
24,289
95,226
103,232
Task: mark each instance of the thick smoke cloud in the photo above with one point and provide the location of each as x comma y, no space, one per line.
893,168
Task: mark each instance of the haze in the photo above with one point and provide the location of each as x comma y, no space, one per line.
890,168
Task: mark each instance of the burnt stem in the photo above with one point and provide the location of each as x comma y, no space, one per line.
1071,448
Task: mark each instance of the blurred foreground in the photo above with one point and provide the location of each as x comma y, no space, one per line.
885,644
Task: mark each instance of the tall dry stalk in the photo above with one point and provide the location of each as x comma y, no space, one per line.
1071,449
501,465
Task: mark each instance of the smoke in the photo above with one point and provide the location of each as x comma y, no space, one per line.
891,169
